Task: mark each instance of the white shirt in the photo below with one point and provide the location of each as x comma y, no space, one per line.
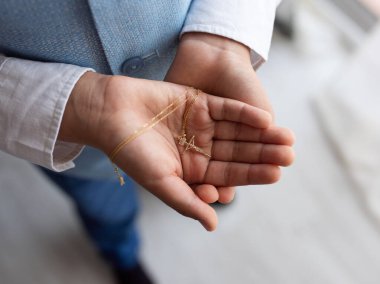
33,95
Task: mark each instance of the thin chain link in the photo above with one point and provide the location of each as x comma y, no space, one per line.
178,102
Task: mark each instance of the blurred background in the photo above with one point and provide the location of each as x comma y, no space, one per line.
319,224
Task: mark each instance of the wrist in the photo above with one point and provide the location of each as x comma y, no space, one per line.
216,44
202,58
83,109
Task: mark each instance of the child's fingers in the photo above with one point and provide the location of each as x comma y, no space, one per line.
226,194
236,111
206,192
225,174
252,153
226,130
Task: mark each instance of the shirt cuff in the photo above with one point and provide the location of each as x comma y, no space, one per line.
249,22
32,102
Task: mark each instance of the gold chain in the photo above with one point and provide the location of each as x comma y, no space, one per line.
150,124
182,140
187,111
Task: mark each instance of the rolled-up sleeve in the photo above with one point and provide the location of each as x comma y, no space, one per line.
33,96
249,22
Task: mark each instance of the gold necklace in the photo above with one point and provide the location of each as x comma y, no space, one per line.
182,140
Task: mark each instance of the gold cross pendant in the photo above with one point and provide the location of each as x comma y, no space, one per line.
191,145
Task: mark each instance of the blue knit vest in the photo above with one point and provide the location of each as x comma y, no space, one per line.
131,37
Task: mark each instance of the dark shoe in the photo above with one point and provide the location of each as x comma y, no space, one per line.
136,275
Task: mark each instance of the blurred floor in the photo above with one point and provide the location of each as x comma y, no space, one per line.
311,227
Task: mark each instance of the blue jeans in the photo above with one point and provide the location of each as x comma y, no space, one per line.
108,213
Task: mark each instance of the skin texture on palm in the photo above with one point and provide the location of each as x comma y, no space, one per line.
222,67
104,110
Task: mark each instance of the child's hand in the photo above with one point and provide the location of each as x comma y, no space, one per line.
222,67
104,110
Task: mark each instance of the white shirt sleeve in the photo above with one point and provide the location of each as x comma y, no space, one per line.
33,96
247,21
